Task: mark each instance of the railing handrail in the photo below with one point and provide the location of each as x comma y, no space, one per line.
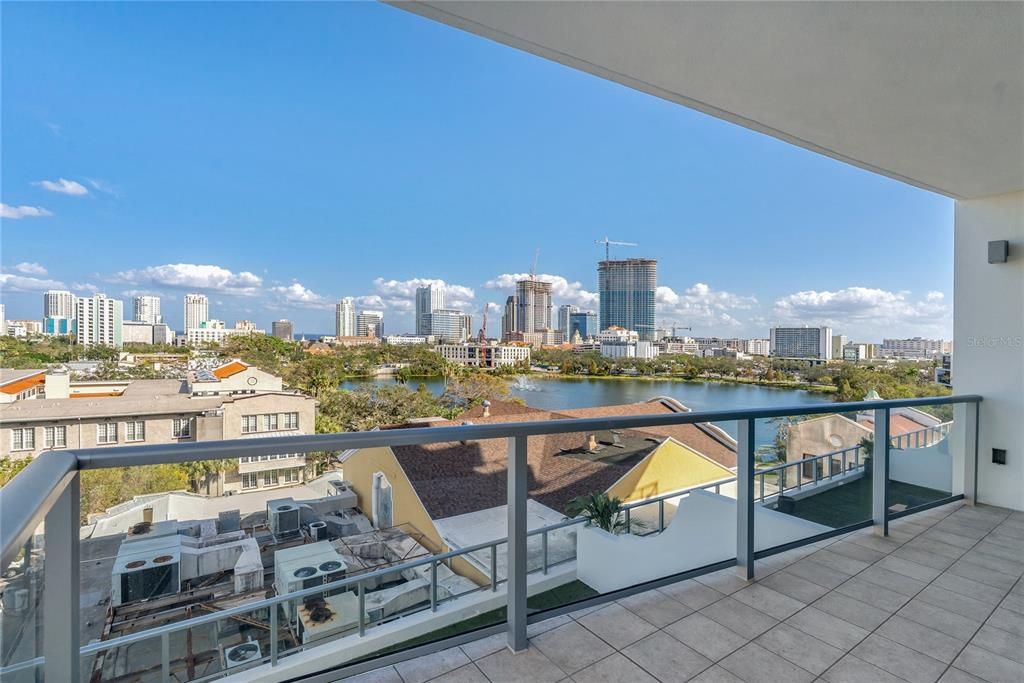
122,456
23,507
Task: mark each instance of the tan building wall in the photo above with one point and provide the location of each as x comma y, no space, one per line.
821,435
207,425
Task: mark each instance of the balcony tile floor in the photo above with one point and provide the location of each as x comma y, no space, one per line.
940,599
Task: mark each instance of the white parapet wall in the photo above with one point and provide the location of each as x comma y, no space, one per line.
931,466
702,532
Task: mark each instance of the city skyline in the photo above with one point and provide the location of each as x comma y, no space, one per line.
718,206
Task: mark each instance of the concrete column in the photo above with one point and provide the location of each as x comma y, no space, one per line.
988,339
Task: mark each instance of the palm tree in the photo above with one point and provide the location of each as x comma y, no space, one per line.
200,471
600,510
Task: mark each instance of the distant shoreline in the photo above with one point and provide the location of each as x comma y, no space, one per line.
797,386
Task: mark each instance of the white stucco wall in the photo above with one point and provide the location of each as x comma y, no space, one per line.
931,467
988,336
702,532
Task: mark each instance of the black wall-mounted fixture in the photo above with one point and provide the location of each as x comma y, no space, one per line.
998,251
999,456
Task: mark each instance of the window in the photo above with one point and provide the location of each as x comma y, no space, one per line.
249,481
270,478
291,476
270,422
23,439
291,420
181,427
135,431
106,433
248,424
55,437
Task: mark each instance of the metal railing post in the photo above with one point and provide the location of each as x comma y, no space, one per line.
661,515
516,586
880,473
274,635
544,551
433,586
745,500
494,567
61,585
964,451
361,592
629,521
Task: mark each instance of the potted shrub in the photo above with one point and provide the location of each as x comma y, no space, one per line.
867,447
601,511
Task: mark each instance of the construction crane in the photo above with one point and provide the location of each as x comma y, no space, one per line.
482,337
676,326
607,246
533,268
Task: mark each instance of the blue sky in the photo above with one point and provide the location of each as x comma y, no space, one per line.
279,156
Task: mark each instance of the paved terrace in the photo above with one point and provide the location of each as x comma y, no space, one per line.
940,599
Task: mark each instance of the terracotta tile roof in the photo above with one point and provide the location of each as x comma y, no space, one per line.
454,478
898,424
229,369
20,384
499,408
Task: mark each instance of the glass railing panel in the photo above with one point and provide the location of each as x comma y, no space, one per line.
813,476
656,502
920,456
23,589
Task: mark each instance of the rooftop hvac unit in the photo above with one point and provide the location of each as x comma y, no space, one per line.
283,516
242,654
318,530
15,600
306,566
146,569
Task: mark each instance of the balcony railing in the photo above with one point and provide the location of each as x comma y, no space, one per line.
48,491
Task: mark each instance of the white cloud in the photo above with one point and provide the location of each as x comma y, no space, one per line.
865,309
30,268
17,212
103,186
700,306
85,287
370,301
193,276
934,296
63,186
298,294
19,283
398,295
561,289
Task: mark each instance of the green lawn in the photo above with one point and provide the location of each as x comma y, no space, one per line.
851,503
556,597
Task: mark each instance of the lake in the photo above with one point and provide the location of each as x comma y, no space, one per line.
555,393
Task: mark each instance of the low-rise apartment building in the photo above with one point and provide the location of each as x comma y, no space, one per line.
484,355
233,401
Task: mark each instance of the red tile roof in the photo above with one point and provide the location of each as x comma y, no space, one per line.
454,478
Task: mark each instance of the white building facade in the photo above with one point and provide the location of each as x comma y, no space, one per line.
197,311
146,309
100,320
345,318
801,342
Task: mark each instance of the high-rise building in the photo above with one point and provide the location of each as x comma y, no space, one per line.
801,342
585,323
99,320
838,342
533,312
3,320
508,318
370,324
429,298
627,291
282,329
447,325
197,311
147,310
466,326
345,318
565,311
58,303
